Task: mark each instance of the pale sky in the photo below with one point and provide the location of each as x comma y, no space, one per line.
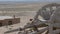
33,0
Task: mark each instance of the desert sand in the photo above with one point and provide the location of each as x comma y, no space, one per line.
22,10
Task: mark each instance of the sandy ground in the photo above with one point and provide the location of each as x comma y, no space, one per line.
19,8
24,20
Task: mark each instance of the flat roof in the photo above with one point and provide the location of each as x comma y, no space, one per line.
5,17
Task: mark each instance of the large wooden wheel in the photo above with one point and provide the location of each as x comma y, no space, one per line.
44,14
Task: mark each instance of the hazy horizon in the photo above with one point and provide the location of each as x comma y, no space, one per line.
29,0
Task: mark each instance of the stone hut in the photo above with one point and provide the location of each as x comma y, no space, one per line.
8,20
